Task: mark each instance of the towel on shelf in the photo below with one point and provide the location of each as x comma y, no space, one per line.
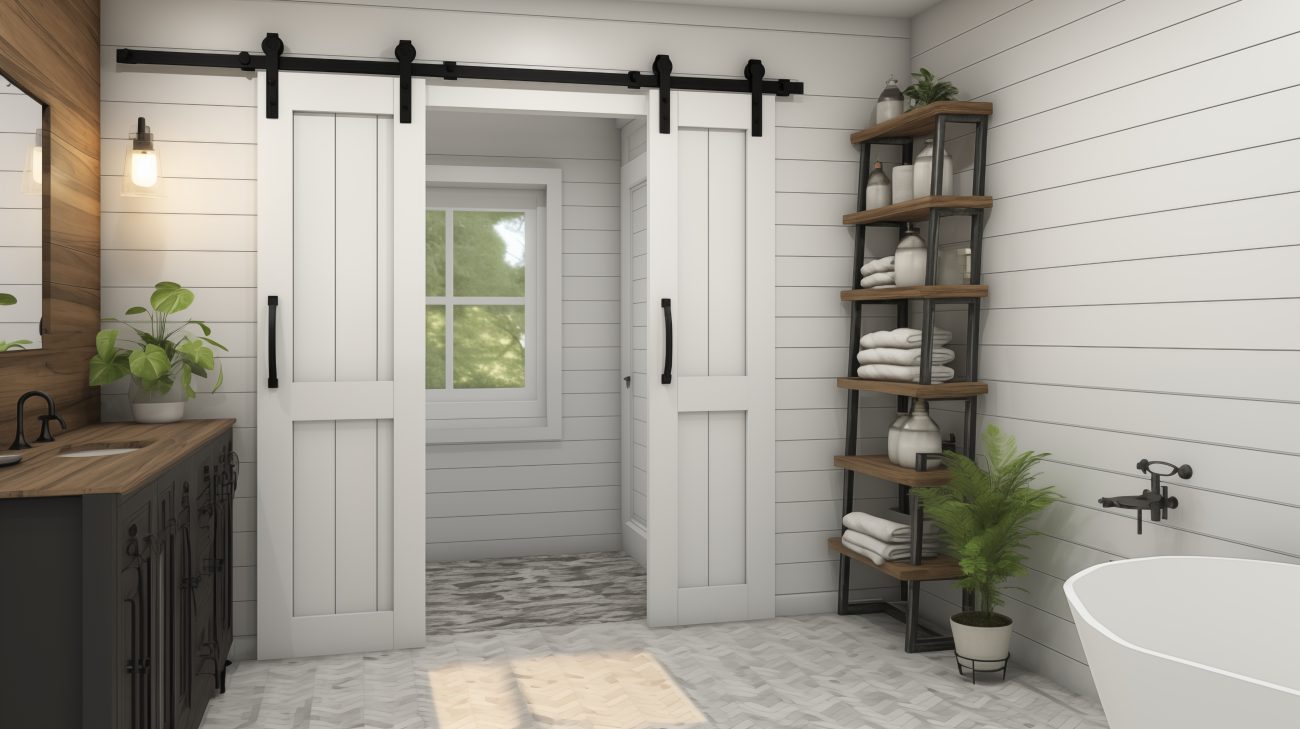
904,373
889,552
879,265
903,338
883,278
908,357
886,530
864,552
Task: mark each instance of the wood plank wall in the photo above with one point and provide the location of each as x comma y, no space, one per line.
51,48
203,233
1143,260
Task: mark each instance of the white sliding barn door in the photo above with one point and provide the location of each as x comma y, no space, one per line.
340,440
711,468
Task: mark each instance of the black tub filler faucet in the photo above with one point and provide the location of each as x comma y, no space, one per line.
1156,498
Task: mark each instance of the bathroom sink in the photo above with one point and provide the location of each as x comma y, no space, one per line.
98,451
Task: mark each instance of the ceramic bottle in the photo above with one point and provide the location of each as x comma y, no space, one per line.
909,259
890,103
920,434
895,430
878,188
924,167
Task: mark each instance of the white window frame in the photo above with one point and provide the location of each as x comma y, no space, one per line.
533,412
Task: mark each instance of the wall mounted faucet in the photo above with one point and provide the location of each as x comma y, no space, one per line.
20,439
1156,498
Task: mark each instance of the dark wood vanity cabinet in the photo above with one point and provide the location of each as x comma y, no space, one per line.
150,607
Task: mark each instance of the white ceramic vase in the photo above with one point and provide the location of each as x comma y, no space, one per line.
895,430
890,103
924,166
156,407
909,259
978,648
920,434
901,180
878,188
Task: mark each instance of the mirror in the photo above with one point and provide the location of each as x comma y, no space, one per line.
24,168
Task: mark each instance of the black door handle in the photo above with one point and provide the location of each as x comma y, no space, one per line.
667,377
273,377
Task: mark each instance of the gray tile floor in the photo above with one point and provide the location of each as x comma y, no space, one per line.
822,671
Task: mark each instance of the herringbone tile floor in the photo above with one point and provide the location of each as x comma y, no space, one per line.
823,672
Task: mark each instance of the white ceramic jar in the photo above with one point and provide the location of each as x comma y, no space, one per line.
895,430
890,103
902,183
920,435
909,259
878,188
922,175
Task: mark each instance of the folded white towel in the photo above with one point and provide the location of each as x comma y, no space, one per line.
878,279
878,265
890,552
903,373
864,552
903,338
886,530
909,357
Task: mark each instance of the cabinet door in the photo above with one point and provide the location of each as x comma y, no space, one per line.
135,610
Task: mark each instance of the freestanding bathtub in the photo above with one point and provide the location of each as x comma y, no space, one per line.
1192,642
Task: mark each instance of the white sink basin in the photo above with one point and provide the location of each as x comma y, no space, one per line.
97,452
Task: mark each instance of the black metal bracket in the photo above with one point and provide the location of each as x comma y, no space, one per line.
663,67
754,74
405,53
273,47
273,61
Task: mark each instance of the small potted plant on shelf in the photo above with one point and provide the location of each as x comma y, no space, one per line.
985,515
166,355
926,89
10,300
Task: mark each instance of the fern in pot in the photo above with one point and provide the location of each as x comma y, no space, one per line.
985,515
926,89
162,360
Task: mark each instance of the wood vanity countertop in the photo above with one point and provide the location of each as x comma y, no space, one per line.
42,472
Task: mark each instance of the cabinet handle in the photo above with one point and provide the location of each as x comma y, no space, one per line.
273,377
667,377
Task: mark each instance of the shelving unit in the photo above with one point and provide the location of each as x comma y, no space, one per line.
932,119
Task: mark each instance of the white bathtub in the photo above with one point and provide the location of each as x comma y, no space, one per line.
1192,642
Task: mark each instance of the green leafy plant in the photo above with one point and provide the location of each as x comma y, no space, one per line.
165,351
927,90
10,300
985,516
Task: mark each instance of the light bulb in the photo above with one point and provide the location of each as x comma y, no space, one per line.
144,168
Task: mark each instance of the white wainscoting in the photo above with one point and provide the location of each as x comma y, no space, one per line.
1142,258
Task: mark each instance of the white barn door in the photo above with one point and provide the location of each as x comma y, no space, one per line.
340,436
711,431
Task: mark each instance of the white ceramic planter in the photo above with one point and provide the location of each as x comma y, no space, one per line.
158,412
981,649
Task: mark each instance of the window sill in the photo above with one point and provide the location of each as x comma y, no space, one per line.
449,432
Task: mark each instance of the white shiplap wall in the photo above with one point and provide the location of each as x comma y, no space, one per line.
1143,267
545,497
202,234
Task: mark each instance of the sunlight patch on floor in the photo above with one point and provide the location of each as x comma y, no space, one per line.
606,690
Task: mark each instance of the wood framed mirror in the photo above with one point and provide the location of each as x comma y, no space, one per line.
24,217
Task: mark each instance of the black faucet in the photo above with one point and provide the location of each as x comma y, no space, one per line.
20,440
1156,498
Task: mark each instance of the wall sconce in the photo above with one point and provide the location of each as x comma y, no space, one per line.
34,169
141,176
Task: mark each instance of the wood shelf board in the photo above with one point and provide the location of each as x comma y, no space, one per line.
940,391
880,467
942,567
920,121
917,209
940,291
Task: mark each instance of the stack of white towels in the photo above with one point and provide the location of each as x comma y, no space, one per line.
878,273
896,355
882,540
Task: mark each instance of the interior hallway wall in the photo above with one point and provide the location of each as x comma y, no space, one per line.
1142,260
545,497
203,233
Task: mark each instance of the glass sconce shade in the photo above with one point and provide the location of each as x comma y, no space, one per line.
34,167
141,174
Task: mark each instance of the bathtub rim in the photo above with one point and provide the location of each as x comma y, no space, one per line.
1076,604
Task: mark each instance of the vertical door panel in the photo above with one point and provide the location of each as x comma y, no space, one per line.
727,501
693,454
726,252
313,518
313,306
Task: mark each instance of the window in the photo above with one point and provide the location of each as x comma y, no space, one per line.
491,299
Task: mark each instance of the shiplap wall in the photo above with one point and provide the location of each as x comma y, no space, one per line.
202,234
1144,273
545,497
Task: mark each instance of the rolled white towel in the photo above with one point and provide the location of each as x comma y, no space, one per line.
879,265
909,357
903,373
886,530
890,552
903,338
884,278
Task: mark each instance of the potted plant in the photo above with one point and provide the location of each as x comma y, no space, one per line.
162,361
10,300
985,515
927,90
